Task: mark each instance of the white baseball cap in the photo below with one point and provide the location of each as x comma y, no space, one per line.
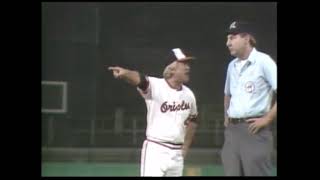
180,55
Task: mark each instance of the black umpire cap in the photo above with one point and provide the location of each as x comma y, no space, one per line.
237,27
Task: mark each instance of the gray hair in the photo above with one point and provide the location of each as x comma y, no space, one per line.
169,70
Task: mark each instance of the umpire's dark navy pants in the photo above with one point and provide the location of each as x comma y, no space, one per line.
245,154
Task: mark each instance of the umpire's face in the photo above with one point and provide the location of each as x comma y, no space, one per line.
237,43
182,71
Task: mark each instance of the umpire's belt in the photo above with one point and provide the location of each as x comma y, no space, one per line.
241,120
167,144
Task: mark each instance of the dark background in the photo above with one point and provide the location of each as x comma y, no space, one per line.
78,39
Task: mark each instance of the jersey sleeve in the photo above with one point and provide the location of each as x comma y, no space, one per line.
151,88
193,116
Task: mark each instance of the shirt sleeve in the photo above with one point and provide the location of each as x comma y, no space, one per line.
227,83
270,72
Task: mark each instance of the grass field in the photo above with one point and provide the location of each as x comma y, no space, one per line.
120,169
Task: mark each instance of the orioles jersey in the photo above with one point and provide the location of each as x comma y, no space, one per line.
167,110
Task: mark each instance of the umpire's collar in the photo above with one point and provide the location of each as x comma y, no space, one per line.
252,56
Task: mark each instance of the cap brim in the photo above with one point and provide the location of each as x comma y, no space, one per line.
239,31
233,32
186,59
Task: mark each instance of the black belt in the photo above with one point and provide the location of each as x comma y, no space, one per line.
241,120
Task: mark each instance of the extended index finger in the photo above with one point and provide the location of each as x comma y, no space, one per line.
113,68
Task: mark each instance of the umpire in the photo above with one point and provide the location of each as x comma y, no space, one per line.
250,85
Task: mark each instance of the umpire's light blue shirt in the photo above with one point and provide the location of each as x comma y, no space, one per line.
251,88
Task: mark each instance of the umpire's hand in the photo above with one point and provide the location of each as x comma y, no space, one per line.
257,123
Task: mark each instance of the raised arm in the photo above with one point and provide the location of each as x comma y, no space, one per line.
130,76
